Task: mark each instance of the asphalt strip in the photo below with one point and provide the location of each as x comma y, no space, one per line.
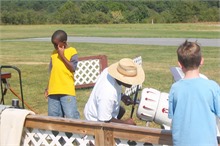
137,41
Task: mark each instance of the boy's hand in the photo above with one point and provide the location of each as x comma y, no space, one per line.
60,49
46,93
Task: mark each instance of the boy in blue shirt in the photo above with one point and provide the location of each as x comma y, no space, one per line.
194,102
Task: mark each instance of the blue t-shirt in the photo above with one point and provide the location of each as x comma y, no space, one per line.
193,107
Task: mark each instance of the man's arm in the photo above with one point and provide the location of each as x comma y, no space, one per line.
127,121
105,110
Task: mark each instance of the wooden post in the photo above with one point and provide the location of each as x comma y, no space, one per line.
108,137
99,136
104,62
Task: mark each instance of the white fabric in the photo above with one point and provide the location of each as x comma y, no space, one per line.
3,107
104,101
12,122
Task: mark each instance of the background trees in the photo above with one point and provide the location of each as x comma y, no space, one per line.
90,12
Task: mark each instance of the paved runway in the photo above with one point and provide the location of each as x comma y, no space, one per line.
141,41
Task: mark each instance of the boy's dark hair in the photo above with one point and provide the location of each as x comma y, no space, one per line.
59,35
189,55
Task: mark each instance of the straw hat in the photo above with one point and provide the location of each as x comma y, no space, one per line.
127,72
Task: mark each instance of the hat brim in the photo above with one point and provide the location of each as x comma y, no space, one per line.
136,80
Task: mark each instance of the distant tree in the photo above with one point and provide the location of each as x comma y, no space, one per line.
166,16
102,6
210,14
111,11
69,13
154,17
117,17
95,17
158,6
115,5
88,7
51,8
136,15
181,11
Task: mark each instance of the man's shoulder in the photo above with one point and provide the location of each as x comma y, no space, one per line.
107,79
104,72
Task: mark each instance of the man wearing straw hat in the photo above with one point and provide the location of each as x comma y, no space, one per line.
104,101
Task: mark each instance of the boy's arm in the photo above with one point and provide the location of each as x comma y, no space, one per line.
46,89
74,61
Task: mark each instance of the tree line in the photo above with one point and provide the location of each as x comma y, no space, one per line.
107,12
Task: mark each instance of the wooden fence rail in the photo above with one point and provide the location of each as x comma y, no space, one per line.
104,134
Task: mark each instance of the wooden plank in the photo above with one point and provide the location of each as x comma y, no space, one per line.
99,136
143,136
92,57
108,137
61,124
140,133
135,128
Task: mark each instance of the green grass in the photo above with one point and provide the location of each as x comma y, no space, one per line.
203,30
32,58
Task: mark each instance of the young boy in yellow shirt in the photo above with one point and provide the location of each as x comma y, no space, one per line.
61,89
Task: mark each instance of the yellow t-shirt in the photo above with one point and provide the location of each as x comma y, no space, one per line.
61,79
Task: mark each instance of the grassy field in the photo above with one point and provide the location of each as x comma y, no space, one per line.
201,30
32,58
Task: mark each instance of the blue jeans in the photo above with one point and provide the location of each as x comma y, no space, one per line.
63,106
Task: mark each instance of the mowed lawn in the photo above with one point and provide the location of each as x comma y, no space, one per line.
32,58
